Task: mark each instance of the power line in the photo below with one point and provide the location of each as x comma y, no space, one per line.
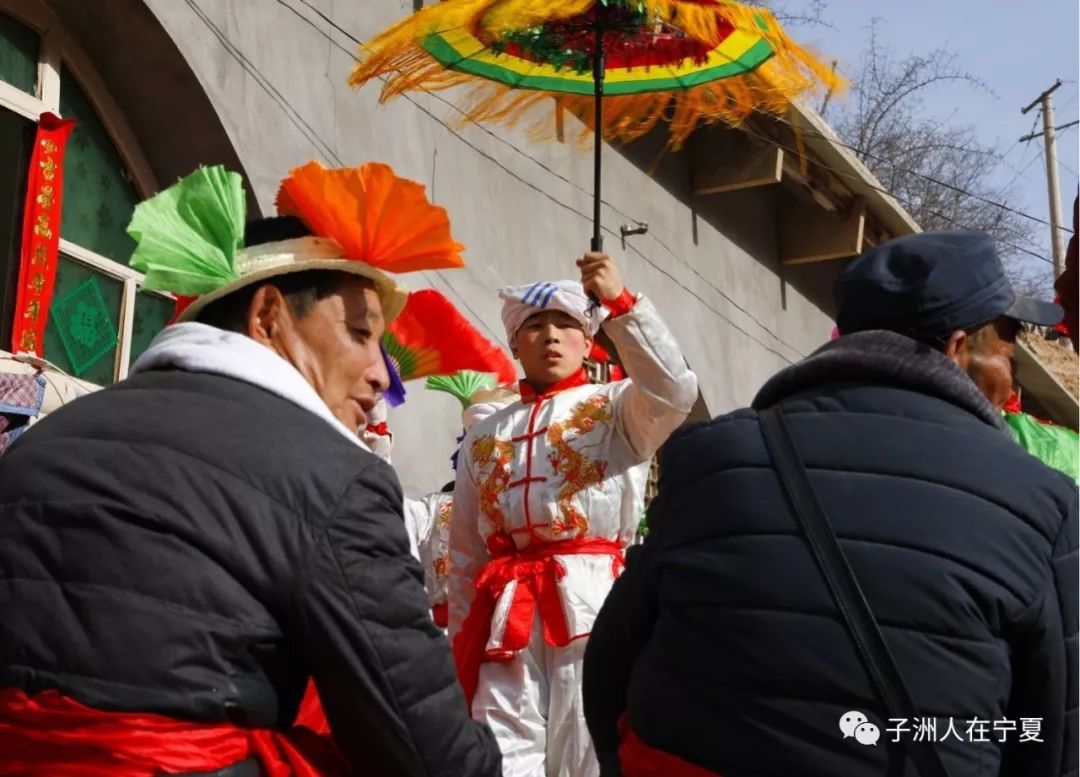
852,176
908,203
1019,173
556,200
916,173
1020,168
430,276
857,150
285,105
780,119
326,19
305,129
637,251
435,95
1034,135
293,115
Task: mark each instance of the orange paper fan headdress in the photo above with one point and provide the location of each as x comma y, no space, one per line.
363,221
375,216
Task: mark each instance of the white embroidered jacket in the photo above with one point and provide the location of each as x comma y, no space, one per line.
430,515
573,465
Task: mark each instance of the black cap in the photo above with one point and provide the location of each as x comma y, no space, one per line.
931,284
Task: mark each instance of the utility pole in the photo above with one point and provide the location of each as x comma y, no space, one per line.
1057,243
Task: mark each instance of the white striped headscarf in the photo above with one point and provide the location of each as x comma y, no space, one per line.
520,302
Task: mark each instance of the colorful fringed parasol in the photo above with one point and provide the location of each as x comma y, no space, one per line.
432,337
633,62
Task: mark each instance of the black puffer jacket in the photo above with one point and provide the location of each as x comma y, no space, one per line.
724,645
192,545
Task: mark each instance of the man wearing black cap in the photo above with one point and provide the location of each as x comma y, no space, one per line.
722,648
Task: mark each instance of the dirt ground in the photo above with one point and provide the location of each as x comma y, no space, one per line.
1059,359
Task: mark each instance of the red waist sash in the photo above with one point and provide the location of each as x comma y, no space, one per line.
537,572
439,614
51,735
637,759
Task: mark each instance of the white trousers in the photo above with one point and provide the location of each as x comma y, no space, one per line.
533,705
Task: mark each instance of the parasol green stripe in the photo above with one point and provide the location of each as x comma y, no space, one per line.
449,57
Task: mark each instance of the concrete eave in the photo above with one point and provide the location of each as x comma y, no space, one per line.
1051,394
821,140
825,144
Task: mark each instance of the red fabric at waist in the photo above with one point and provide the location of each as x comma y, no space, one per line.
440,614
311,714
51,735
637,759
537,571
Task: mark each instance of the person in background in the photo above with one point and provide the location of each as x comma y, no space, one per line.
427,519
1053,445
721,651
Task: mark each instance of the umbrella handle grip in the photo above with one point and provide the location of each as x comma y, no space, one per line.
596,245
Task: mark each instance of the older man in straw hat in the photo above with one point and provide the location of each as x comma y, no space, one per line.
181,551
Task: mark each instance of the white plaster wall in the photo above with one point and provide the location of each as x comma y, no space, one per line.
523,209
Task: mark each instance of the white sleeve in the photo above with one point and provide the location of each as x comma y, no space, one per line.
468,553
661,388
426,513
414,510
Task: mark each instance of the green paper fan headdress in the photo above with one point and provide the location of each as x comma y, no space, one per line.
190,237
462,384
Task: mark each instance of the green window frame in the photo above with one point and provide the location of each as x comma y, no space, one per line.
101,320
20,50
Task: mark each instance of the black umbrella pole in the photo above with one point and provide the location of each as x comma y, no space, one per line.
598,115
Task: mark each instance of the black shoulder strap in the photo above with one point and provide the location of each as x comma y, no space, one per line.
849,598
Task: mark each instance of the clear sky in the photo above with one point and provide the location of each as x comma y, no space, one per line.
1017,49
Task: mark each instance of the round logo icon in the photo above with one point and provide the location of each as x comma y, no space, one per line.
850,721
867,734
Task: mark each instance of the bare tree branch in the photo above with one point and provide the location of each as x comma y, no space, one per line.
887,124
790,14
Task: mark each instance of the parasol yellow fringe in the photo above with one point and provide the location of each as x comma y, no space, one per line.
396,57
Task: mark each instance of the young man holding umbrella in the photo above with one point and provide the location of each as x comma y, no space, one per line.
549,493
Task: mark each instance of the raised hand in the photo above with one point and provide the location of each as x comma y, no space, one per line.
600,276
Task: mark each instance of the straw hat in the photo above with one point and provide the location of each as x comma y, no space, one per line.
270,260
364,221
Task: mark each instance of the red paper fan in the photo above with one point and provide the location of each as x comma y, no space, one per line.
431,337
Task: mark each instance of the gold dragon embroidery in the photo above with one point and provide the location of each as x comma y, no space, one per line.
579,472
442,515
487,451
441,564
